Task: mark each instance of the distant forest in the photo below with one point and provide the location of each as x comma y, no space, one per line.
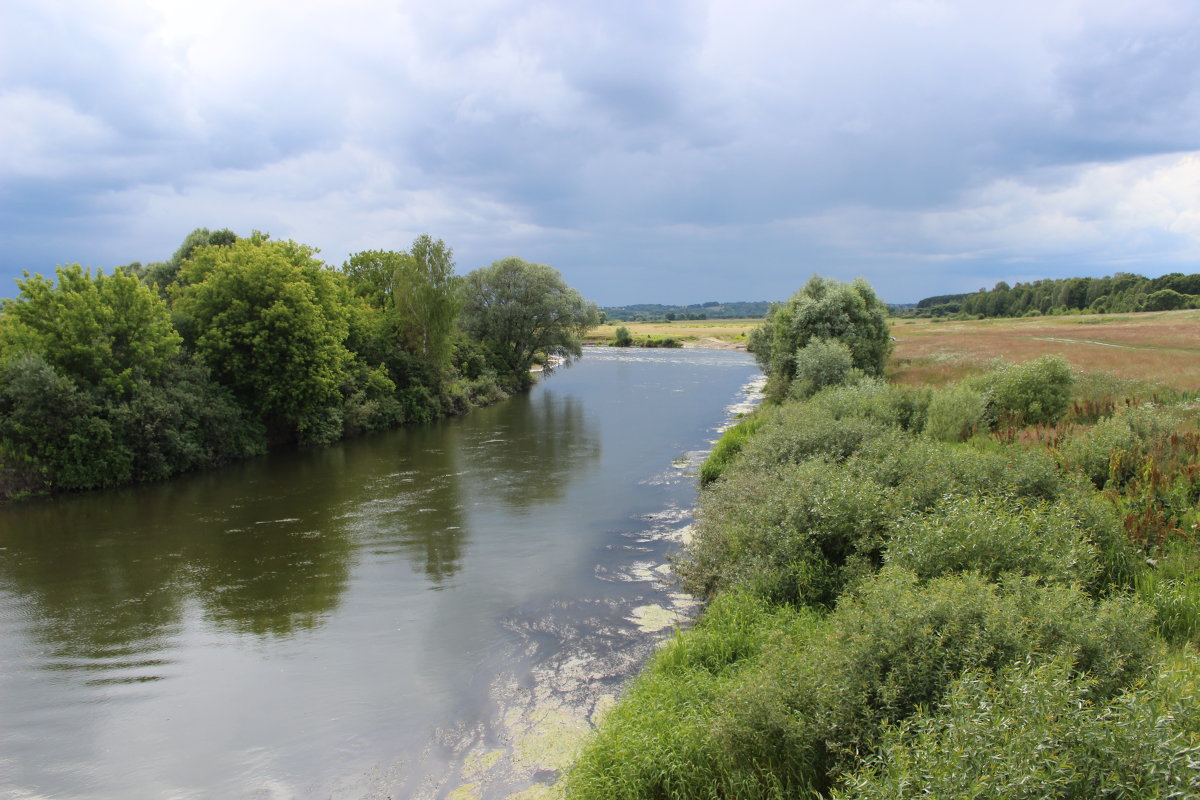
653,312
1116,293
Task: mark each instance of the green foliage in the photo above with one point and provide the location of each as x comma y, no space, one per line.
106,333
796,432
819,364
995,535
622,338
807,712
1034,392
163,275
268,319
415,290
1171,586
727,448
796,538
1033,731
657,743
823,309
956,413
518,309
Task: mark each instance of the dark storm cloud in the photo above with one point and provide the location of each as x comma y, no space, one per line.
672,151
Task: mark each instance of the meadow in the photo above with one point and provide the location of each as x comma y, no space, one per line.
1155,347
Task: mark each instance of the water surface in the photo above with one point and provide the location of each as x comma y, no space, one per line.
391,616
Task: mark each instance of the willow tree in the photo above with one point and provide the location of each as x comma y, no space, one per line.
827,309
519,309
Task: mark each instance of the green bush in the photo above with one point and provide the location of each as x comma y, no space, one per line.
875,399
622,338
820,363
799,431
807,711
796,538
956,413
1033,732
923,471
1031,393
994,535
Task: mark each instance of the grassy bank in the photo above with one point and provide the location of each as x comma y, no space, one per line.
983,589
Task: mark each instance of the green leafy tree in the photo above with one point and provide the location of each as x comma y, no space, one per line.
105,332
518,309
824,309
164,273
269,320
415,290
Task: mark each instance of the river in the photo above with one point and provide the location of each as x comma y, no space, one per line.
431,612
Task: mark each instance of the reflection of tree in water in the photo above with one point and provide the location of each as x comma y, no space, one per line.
539,446
89,588
108,574
416,509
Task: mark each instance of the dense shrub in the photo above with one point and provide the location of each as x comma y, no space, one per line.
1030,393
807,711
1034,732
1171,586
796,538
875,399
923,471
994,535
820,363
800,431
956,413
657,742
622,338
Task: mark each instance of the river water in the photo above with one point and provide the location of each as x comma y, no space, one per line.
433,612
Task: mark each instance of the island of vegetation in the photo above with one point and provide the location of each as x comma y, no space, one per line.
984,589
237,344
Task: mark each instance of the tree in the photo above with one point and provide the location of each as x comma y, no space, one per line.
268,319
104,332
416,290
518,309
164,273
823,309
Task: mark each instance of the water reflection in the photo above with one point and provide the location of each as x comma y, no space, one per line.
267,547
543,444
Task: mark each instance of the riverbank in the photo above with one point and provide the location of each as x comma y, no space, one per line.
545,716
881,562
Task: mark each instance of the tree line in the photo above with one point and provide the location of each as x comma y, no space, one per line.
1122,292
236,344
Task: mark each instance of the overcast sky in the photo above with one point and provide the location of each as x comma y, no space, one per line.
652,151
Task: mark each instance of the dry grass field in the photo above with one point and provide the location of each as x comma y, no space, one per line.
726,332
1159,347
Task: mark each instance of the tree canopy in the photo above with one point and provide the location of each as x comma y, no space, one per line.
823,309
104,331
519,309
268,319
